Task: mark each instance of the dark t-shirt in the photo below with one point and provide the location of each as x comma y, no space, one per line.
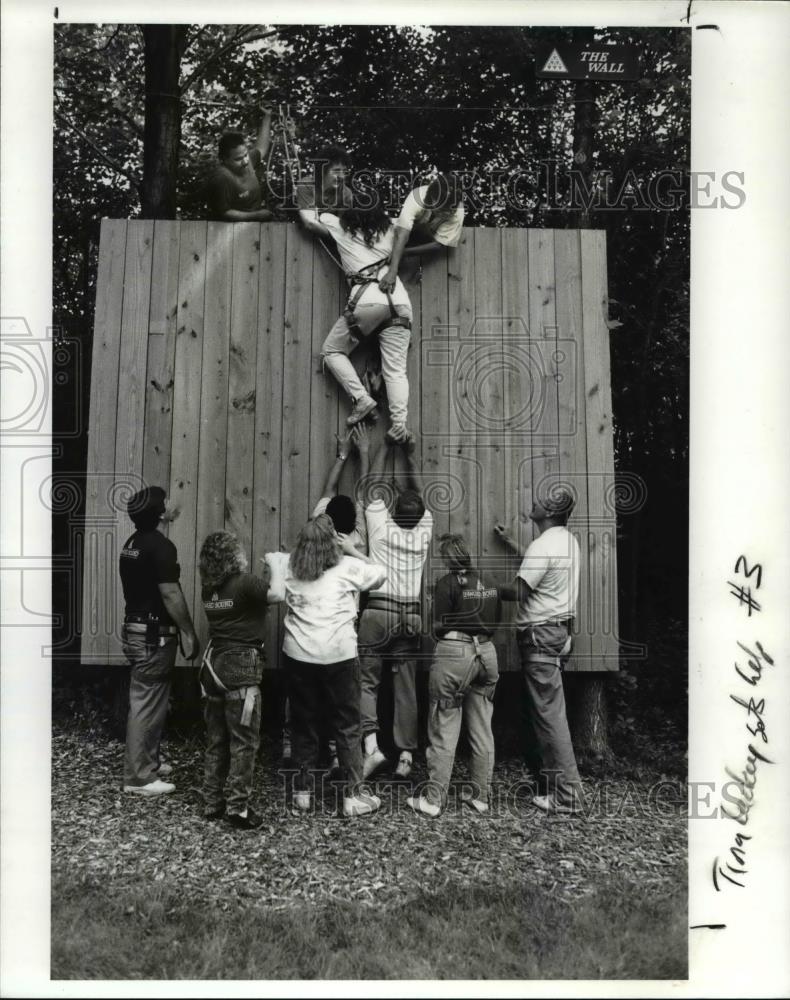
148,559
236,610
464,604
226,190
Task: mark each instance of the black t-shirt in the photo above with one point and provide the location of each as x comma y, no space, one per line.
148,559
226,190
462,603
236,610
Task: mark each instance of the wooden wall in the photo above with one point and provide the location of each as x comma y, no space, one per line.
206,380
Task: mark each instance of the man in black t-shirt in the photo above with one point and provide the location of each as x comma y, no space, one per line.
233,191
155,612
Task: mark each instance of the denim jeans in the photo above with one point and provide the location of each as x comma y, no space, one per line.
149,691
542,649
394,347
380,635
461,693
317,690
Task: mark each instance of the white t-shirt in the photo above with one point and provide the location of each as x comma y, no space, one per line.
356,254
446,230
551,569
319,625
359,536
401,550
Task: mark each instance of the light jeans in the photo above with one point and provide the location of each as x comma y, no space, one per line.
461,693
394,346
149,692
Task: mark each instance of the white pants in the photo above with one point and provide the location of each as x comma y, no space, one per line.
394,345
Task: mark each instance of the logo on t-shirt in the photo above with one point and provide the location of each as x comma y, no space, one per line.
130,553
215,604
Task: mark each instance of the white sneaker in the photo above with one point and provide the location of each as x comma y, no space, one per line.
362,407
403,770
477,804
156,787
422,805
550,805
302,802
361,804
372,762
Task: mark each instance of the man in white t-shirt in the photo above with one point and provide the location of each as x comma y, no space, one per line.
547,589
398,539
432,216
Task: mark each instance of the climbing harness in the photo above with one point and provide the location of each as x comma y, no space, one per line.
357,284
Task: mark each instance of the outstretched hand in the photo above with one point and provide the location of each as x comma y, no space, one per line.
360,438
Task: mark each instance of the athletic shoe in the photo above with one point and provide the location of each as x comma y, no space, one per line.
361,804
550,805
302,802
403,770
334,768
286,750
477,804
152,788
249,820
164,770
217,813
372,762
422,805
362,407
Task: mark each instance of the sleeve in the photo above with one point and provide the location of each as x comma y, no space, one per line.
443,605
376,515
165,559
410,211
448,233
218,195
370,575
534,564
256,588
320,507
331,222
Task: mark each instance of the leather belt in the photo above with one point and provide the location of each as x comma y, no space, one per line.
137,626
391,604
456,636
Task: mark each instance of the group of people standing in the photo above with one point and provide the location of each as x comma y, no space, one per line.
375,544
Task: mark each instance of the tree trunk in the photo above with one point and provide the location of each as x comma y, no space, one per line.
164,46
587,715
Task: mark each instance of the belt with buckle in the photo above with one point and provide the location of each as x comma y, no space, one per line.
139,626
456,636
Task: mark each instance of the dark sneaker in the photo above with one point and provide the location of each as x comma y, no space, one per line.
216,813
245,821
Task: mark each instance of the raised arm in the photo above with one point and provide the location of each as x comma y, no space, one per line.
263,140
309,219
409,447
502,534
375,476
333,476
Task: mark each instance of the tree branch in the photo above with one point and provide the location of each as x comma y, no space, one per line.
240,38
111,163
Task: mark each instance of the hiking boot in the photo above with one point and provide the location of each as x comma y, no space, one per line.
403,769
362,407
248,820
217,813
302,802
372,762
334,768
156,787
422,805
550,805
361,804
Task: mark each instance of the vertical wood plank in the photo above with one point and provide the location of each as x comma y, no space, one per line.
100,576
323,390
269,412
461,314
160,370
297,362
239,485
130,410
600,451
431,351
184,468
571,425
213,428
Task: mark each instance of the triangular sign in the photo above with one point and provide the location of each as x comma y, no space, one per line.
554,64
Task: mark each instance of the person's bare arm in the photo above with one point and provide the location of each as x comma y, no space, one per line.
375,476
361,441
518,590
263,140
239,215
412,251
176,606
502,534
409,446
387,282
309,219
333,476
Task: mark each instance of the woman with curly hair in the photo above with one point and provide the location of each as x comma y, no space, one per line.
462,681
319,582
235,603
364,236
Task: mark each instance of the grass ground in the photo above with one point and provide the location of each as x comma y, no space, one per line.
147,889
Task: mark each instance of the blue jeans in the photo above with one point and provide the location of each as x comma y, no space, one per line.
149,692
380,635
